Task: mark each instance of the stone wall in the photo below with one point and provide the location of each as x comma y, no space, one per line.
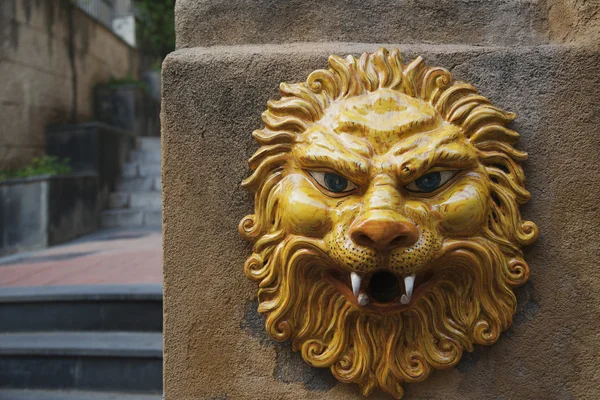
524,55
51,56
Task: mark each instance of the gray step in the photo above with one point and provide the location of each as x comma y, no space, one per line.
500,22
89,343
118,200
153,218
81,308
123,218
110,361
27,394
150,200
145,200
130,218
141,169
138,184
149,169
144,156
148,143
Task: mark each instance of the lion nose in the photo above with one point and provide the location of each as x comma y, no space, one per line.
384,233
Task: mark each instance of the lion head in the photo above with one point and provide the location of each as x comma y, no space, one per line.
386,233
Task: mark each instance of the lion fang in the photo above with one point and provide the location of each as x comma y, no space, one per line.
355,278
363,299
409,282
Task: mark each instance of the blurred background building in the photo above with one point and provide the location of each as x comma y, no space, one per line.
80,87
80,198
53,55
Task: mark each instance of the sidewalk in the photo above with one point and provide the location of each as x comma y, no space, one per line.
108,256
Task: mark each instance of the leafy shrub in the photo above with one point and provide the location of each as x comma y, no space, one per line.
128,80
156,27
45,165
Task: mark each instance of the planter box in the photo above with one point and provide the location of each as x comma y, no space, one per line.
41,211
94,148
128,107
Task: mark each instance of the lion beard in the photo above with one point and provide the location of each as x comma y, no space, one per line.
469,302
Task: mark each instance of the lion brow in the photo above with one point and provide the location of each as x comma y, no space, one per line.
415,144
349,167
420,125
442,157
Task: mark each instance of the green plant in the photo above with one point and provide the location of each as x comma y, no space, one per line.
156,65
45,165
128,80
156,27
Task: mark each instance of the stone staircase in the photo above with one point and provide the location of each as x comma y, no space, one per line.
91,342
137,201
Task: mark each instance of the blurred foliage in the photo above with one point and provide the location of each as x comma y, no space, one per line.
157,65
128,80
45,165
155,27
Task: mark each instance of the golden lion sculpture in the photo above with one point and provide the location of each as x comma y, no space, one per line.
386,233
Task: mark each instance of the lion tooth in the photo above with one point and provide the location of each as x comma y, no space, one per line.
409,282
363,299
355,278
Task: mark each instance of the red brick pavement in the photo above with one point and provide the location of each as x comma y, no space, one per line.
104,257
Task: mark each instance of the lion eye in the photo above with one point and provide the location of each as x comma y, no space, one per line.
333,182
430,181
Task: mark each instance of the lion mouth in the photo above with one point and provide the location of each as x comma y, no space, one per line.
381,290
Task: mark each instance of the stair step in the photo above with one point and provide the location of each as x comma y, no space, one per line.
118,200
150,200
141,169
118,361
148,143
130,218
81,308
130,170
153,218
126,218
149,169
144,156
138,184
92,343
27,394
145,200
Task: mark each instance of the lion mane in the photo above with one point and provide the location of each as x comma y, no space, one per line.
471,303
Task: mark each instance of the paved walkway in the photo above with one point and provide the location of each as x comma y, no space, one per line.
109,256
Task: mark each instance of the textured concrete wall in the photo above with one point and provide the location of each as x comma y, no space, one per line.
42,82
477,22
573,20
209,22
215,345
